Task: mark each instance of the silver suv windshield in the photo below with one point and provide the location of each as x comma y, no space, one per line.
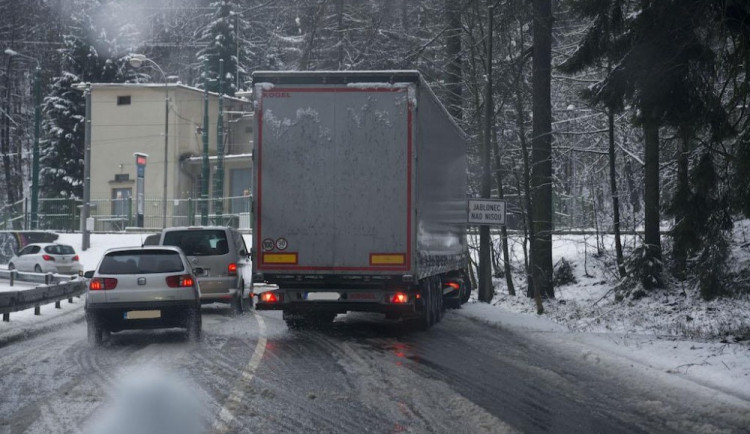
140,262
198,242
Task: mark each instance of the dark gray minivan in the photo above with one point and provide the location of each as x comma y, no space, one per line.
218,256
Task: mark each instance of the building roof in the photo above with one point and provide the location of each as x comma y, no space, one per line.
81,86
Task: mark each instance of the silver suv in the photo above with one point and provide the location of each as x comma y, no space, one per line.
142,288
218,256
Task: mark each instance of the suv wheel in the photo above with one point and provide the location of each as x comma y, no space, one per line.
94,330
194,325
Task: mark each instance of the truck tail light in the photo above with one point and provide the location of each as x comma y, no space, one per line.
48,258
232,269
399,298
106,283
270,297
180,281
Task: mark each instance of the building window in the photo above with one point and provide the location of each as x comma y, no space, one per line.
123,100
122,177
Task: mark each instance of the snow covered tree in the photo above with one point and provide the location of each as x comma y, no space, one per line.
90,53
221,39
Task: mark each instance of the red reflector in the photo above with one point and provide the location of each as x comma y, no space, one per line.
453,285
269,297
75,258
48,258
180,281
103,283
232,268
399,298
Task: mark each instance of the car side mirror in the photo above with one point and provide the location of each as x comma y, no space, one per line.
88,274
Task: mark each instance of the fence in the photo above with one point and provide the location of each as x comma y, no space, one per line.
115,215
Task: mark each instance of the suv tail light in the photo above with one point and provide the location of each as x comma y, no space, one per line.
232,269
454,285
48,258
180,281
105,283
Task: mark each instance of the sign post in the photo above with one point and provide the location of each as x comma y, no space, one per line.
486,212
140,164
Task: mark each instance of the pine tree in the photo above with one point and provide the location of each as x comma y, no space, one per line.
220,35
89,54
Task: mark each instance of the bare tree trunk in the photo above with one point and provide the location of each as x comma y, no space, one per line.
652,232
453,77
5,148
542,149
503,228
486,288
340,16
615,195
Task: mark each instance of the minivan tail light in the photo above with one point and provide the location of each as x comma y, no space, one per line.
232,269
48,258
106,283
180,281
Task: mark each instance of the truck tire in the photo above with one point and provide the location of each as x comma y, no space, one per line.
427,316
438,297
466,287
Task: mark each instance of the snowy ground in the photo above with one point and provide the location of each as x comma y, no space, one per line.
674,334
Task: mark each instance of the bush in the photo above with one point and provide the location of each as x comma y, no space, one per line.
563,273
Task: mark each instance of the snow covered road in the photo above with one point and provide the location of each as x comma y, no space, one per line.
362,374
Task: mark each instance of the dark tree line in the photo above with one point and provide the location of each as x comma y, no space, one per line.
607,114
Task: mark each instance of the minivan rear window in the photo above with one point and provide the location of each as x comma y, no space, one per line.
141,262
198,242
59,249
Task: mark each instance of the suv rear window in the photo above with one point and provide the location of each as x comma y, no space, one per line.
141,262
208,242
59,249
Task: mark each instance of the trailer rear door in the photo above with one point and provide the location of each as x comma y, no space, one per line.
333,183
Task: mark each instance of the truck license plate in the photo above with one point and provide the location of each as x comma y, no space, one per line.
316,296
362,296
143,314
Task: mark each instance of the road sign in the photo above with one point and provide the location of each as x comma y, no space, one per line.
140,201
486,212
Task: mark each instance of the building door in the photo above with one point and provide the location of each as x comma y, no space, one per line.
239,189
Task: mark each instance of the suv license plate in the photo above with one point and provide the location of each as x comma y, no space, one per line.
143,314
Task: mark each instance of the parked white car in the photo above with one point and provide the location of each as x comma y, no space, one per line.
46,258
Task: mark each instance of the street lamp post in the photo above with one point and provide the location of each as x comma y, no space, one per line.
136,60
37,122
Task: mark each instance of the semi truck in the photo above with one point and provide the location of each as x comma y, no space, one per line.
359,197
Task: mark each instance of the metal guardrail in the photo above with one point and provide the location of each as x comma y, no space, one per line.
52,289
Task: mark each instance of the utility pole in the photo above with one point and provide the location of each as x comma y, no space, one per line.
204,167
86,209
35,163
219,175
486,289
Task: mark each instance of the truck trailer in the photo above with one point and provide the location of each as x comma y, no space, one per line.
359,197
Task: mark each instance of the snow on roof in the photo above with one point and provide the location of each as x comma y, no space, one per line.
157,86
